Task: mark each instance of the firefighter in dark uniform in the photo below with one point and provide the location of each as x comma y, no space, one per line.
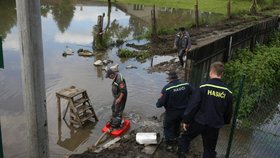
119,92
182,43
209,108
174,98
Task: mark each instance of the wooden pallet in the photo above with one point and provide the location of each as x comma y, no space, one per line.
79,104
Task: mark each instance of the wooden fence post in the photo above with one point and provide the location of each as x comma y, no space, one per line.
196,14
154,27
228,9
98,36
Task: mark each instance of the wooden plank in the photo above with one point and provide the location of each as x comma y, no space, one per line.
74,122
107,145
80,101
101,137
66,111
58,108
115,140
70,92
83,108
86,117
92,109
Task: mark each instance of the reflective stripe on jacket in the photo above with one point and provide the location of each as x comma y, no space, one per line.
175,95
210,104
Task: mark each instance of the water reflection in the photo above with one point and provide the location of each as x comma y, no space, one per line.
8,16
63,13
76,136
68,23
169,18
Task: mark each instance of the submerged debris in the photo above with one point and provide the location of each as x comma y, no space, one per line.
98,63
85,53
106,62
131,67
68,51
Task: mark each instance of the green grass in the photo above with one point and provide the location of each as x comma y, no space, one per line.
139,55
217,6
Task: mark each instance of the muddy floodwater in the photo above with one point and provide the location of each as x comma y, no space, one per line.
72,27
69,25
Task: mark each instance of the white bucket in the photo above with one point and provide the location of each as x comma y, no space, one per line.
147,138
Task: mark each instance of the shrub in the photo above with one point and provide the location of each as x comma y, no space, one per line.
262,71
139,55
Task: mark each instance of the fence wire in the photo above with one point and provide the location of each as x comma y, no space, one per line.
258,135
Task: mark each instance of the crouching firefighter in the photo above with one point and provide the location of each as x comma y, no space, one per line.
119,92
174,98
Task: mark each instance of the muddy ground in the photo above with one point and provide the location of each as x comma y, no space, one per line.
163,45
127,147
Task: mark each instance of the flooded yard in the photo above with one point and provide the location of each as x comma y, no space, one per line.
68,25
59,32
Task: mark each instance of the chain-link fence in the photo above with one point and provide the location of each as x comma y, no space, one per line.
258,134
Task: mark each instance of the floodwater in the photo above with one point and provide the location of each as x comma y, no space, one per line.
69,24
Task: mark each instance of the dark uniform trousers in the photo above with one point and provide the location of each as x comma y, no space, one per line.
117,109
181,53
171,124
209,138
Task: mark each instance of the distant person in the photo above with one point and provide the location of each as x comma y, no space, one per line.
209,108
119,91
174,98
182,43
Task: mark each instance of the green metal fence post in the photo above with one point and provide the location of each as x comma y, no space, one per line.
235,116
1,146
1,54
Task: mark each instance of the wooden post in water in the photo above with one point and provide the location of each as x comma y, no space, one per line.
33,80
196,14
100,25
108,15
99,40
154,27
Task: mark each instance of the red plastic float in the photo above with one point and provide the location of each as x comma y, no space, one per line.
119,131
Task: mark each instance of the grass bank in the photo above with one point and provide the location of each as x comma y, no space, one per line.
217,6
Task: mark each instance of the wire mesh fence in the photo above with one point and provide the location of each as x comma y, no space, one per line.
258,134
